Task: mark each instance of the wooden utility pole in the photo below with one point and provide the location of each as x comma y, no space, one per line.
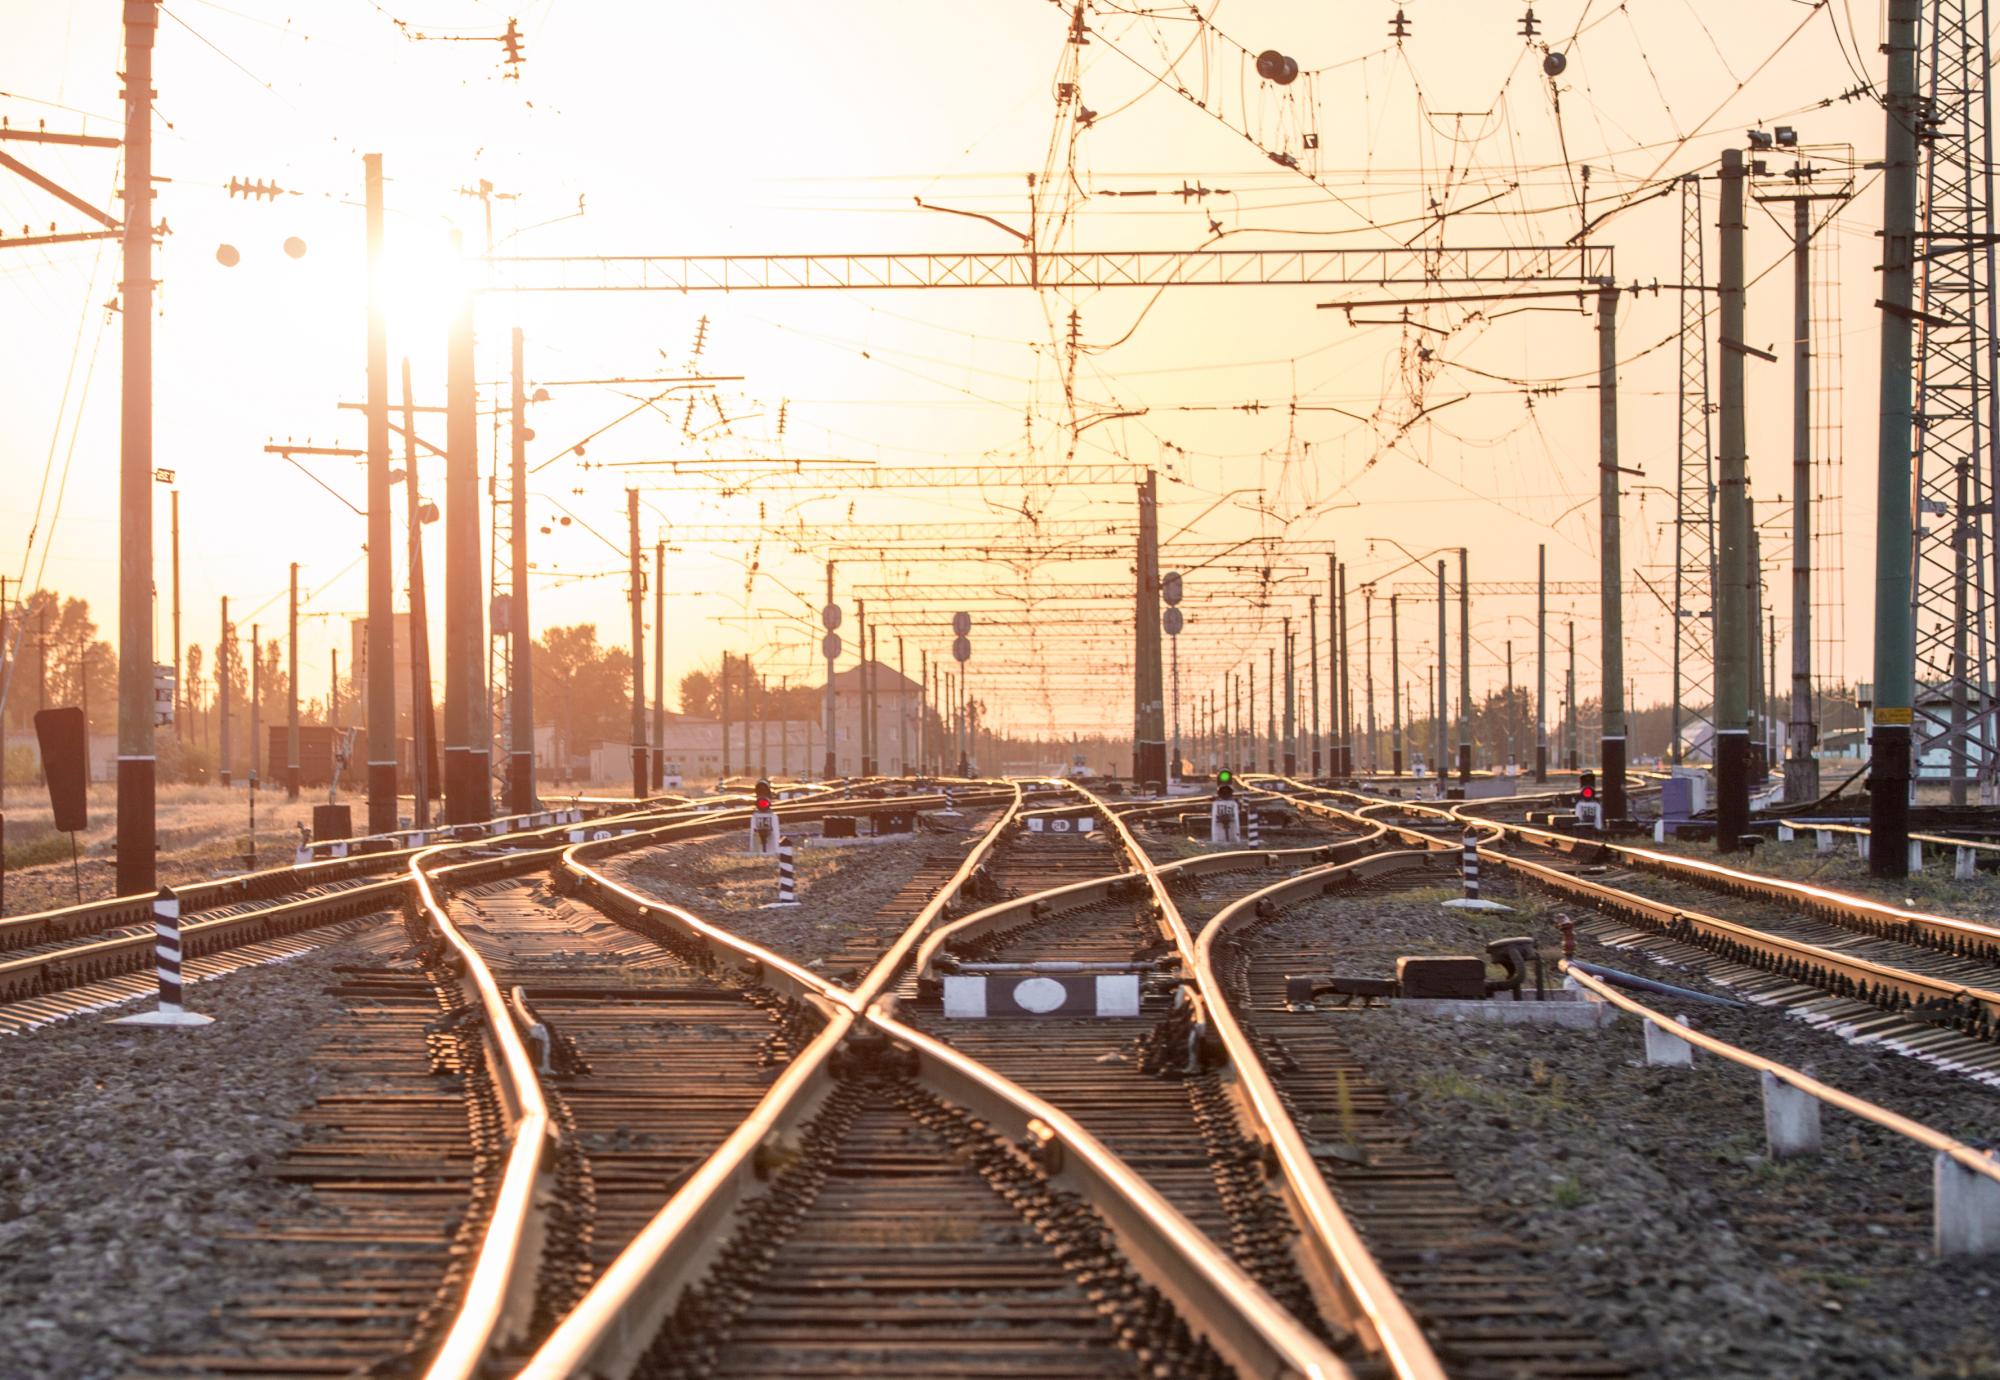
379,717
136,843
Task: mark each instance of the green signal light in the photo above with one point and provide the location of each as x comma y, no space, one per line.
1225,776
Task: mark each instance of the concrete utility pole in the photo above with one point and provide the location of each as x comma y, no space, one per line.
379,715
223,647
465,771
722,695
1611,578
1395,691
1312,665
1509,721
874,705
861,683
1290,756
1149,729
1895,647
520,634
1464,672
1333,666
1250,719
135,868
830,646
1346,685
1801,764
1368,671
1542,663
902,713
1442,768
256,717
924,711
659,666
1270,709
180,689
1733,635
639,749
292,691
424,784
1572,726
1760,765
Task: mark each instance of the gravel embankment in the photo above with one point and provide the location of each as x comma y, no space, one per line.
1648,1194
838,885
127,1154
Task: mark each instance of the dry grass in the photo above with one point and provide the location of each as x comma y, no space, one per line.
1934,889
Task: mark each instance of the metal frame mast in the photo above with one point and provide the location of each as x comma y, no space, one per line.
1694,490
1957,409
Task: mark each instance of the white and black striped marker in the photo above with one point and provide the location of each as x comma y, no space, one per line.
1468,867
975,995
1251,831
948,810
788,875
167,953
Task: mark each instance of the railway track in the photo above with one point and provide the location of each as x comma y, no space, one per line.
461,1181
1916,983
921,1213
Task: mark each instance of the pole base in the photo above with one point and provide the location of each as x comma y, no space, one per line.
165,1018
781,905
1732,789
137,842
1472,903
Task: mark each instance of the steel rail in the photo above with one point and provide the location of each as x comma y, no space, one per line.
1979,1162
614,1324
1370,1304
1880,984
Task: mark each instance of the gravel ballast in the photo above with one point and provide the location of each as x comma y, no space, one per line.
128,1154
1647,1194
839,884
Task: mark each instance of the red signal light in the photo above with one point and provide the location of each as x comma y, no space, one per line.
763,803
1590,792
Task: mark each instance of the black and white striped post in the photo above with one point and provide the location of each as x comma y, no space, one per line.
1251,832
167,952
1468,871
948,807
788,875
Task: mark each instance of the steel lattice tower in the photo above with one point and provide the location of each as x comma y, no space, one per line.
1953,585
1694,490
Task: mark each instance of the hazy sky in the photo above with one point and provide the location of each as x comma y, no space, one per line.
761,126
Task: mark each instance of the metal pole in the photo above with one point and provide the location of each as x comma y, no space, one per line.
1333,765
135,868
1312,664
1895,652
174,497
660,668
1441,767
861,683
902,714
924,711
1289,757
1175,766
1250,737
379,716
464,773
223,647
423,727
292,691
1464,672
1346,685
1801,765
1149,738
1733,637
638,601
1368,672
1572,731
1753,649
1395,690
874,704
520,630
1611,568
333,721
1542,663
723,701
830,771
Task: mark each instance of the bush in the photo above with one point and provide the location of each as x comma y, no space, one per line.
22,768
184,763
37,848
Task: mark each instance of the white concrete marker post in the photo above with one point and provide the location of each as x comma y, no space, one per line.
1664,1049
167,950
1791,1119
1965,866
1823,840
1222,822
1966,1210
